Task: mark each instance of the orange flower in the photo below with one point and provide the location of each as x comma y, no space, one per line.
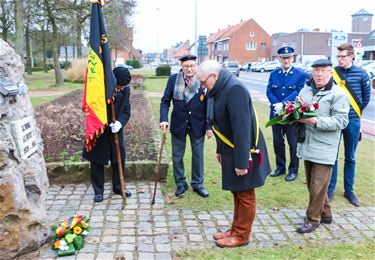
83,223
56,244
77,230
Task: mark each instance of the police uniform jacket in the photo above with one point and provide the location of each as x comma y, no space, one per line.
283,88
234,117
184,115
104,149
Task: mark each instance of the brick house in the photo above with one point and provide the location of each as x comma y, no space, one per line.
243,42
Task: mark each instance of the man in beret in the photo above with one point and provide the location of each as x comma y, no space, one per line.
284,84
105,149
188,118
321,139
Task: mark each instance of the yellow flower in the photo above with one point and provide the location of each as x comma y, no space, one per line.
77,230
83,223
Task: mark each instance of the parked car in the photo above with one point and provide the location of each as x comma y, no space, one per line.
369,66
233,67
254,65
245,66
268,66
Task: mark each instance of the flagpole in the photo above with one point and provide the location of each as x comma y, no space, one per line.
119,163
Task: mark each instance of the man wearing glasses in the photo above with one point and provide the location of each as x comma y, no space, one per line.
284,85
188,118
355,82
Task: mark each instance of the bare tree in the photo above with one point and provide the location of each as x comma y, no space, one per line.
6,18
20,40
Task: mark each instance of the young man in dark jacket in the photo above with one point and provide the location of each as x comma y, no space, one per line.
355,82
104,149
241,148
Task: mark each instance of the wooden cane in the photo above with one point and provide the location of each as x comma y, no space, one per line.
119,164
158,166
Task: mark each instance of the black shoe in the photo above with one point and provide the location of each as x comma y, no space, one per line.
323,220
352,199
330,195
291,176
306,227
201,192
181,190
326,220
118,192
98,198
277,172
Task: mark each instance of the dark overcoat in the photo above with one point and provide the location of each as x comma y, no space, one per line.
235,118
104,149
182,113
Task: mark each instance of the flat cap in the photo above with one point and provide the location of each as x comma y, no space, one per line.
188,57
321,63
285,51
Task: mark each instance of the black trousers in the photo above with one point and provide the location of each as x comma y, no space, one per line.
97,177
278,133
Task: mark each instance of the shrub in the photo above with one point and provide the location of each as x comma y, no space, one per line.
163,70
65,65
38,69
77,70
134,63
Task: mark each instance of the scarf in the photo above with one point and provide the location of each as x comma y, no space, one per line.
315,90
181,92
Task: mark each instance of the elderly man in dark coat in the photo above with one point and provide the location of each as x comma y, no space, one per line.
104,149
241,148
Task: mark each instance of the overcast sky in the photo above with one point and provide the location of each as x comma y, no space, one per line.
159,24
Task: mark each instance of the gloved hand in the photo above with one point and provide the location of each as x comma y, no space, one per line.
115,127
277,108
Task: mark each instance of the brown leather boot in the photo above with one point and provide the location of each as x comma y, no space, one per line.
230,242
227,233
222,235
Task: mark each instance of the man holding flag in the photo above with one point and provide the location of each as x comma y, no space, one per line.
103,100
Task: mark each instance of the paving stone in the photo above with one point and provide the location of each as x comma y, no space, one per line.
105,256
163,248
107,247
163,256
84,256
126,247
195,238
146,248
146,256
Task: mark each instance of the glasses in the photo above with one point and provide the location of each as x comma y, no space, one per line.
205,80
321,70
341,56
191,66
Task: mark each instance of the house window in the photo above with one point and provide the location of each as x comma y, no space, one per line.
251,46
226,46
252,34
263,46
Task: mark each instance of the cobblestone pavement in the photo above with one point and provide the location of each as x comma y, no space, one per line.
142,231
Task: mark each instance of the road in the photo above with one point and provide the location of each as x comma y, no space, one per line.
256,82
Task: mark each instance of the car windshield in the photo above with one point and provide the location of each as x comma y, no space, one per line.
232,65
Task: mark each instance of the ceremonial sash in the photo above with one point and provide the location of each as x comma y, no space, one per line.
253,149
354,101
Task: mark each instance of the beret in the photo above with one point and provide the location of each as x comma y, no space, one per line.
122,75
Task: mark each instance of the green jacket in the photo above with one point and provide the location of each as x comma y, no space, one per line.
322,141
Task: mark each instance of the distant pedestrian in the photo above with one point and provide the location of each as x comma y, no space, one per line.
241,149
105,149
284,85
355,82
248,67
188,118
319,144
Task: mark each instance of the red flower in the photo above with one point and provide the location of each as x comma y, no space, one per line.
315,105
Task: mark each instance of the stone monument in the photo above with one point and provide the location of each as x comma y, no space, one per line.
23,177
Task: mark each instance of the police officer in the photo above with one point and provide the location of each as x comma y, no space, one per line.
284,85
188,118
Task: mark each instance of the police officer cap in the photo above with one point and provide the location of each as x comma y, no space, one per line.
321,63
188,57
285,51
122,75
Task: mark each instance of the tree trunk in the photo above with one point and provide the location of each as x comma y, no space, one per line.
28,50
3,19
20,43
78,38
45,69
55,54
66,53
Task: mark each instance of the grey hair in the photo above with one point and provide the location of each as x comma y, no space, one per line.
209,66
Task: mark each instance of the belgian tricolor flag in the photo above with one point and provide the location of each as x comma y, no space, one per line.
100,82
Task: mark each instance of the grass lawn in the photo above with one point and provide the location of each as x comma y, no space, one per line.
276,192
36,101
45,81
364,250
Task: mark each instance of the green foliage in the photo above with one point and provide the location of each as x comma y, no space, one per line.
65,65
163,70
134,63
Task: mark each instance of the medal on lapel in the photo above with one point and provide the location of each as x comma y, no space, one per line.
201,97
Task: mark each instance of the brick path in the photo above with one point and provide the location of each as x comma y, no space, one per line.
144,232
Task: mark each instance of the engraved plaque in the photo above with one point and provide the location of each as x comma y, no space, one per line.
23,131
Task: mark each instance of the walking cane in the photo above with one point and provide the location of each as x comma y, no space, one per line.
158,166
119,164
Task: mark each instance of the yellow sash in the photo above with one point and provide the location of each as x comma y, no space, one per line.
342,84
